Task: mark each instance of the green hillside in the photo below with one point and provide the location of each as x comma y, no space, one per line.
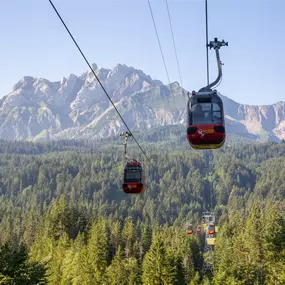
63,214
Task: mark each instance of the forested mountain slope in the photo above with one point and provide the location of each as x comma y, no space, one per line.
64,201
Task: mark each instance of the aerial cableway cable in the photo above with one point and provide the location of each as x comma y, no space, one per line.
174,44
159,43
207,40
161,51
70,34
162,55
81,52
208,80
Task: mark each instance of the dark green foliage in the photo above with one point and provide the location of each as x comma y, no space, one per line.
62,218
64,200
17,269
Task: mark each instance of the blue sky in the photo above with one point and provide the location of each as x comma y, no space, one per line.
34,42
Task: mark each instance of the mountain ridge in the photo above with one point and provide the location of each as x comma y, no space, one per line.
76,107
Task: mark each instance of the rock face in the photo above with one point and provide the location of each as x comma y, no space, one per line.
267,121
77,107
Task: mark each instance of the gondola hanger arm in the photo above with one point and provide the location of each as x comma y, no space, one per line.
216,44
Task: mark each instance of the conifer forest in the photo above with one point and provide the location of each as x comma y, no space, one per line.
64,218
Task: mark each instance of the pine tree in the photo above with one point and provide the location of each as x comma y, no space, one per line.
58,254
188,263
93,257
115,237
133,271
63,218
16,268
254,241
157,268
116,273
275,248
224,260
196,279
128,236
206,281
146,237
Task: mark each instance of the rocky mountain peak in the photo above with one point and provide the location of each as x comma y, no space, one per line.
94,67
25,82
77,107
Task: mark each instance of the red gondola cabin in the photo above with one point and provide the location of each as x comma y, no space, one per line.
206,126
190,229
134,178
211,229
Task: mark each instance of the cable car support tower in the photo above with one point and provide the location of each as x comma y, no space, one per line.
208,244
209,218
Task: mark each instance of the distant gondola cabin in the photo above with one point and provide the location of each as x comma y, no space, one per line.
198,229
190,229
206,125
134,178
211,229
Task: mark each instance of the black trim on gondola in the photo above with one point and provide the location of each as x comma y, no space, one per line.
219,129
191,130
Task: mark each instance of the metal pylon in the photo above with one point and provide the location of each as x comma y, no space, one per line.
208,256
208,217
208,253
